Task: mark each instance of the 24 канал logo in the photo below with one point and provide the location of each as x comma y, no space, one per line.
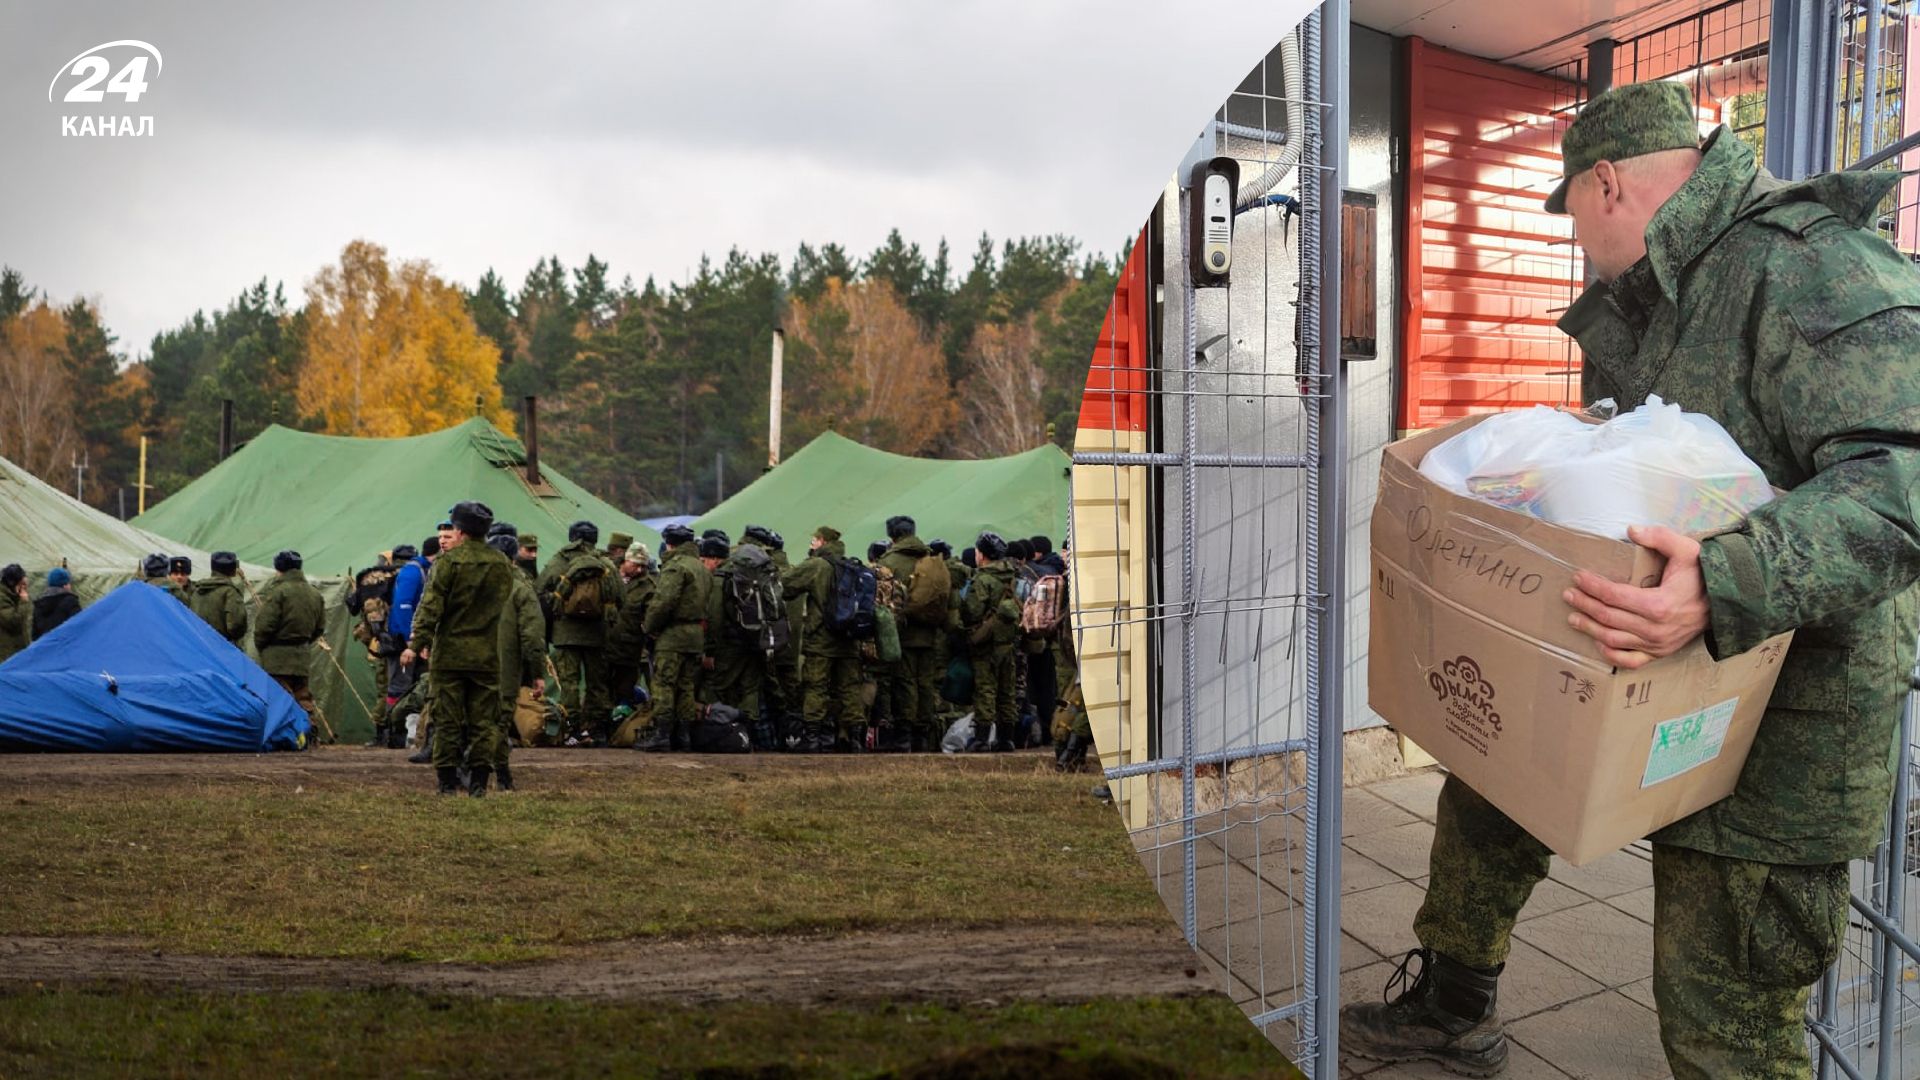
92,78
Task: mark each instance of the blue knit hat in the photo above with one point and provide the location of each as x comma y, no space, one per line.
58,576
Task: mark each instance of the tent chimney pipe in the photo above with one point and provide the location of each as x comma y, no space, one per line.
773,400
226,428
533,440
479,404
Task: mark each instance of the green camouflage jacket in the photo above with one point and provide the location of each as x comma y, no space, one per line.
223,604
523,637
677,614
902,556
291,615
989,594
16,622
1768,306
574,632
807,585
627,645
459,615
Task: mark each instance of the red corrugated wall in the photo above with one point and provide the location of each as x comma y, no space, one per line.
1488,269
1116,394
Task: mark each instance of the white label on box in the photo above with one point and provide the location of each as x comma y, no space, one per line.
1688,742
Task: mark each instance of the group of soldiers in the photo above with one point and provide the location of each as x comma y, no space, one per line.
609,647
286,618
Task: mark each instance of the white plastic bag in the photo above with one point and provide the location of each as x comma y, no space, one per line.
958,735
1656,465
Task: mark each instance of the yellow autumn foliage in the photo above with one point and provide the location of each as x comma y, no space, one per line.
391,350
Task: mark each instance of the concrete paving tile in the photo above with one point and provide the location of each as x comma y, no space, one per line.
1417,793
1166,844
1598,941
1641,992
1355,955
1406,849
1264,953
1604,1037
1522,1064
1366,983
1364,812
1638,903
1222,893
1535,982
1357,872
1550,896
1382,918
1607,876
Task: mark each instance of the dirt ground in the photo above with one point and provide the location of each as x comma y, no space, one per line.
947,967
961,967
357,767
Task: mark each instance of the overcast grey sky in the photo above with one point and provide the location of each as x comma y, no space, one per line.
492,134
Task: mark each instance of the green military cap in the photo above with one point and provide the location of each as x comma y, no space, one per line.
1625,122
619,540
529,542
827,533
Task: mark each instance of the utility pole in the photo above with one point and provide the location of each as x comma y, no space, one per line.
80,465
141,487
719,477
773,399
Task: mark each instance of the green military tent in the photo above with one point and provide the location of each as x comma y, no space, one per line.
41,528
340,501
855,488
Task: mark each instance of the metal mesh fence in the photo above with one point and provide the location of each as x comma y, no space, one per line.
1202,584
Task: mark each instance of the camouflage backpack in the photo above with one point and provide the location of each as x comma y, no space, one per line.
582,590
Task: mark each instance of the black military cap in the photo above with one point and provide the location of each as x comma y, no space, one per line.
712,547
758,534
676,535
404,553
472,518
12,575
154,565
287,560
226,562
899,527
505,543
941,548
584,530
180,564
502,528
875,550
717,534
990,546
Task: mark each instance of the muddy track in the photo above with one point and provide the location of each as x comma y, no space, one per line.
949,967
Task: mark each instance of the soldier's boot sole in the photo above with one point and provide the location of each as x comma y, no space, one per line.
1368,1031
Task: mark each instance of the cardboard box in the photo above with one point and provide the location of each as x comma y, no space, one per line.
1473,659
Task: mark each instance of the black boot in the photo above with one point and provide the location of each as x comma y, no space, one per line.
477,781
982,737
656,740
379,736
1072,755
677,739
424,756
396,736
505,775
449,779
1448,1015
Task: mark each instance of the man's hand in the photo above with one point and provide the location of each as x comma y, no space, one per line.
706,663
1636,626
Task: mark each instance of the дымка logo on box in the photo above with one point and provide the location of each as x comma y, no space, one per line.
1467,697
114,69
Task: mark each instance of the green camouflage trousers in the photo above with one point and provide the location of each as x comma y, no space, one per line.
674,677
914,691
1736,944
993,691
584,691
735,680
466,716
831,685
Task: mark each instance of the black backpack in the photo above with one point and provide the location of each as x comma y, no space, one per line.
374,583
850,599
753,601
720,731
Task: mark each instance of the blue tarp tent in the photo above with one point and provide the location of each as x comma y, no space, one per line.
137,671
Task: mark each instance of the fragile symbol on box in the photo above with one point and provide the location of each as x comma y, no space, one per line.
1687,742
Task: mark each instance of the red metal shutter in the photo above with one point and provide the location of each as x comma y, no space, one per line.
1116,394
1488,269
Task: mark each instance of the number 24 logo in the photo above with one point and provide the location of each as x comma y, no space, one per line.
130,81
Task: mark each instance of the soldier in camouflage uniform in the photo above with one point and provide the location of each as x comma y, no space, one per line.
916,687
16,612
1770,307
219,599
457,628
676,621
523,649
291,617
783,667
991,619
617,545
153,571
830,664
528,561
580,639
627,641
